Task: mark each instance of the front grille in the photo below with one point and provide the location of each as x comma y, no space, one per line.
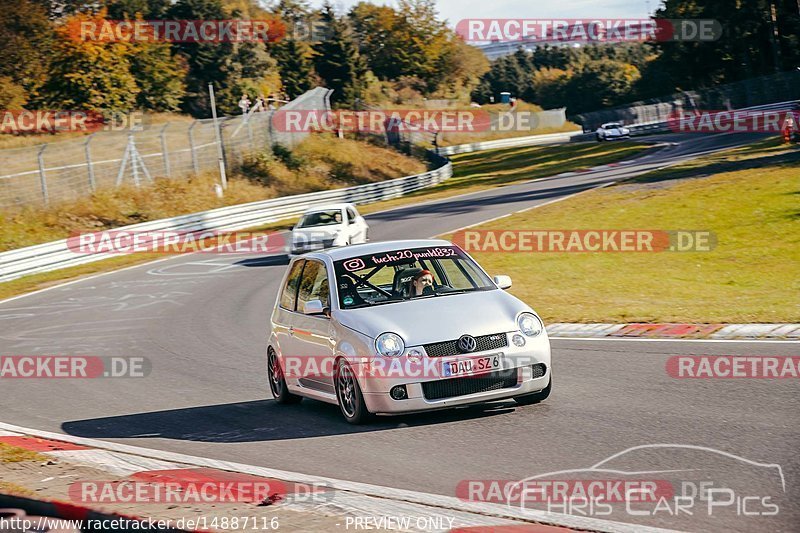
313,245
450,388
483,343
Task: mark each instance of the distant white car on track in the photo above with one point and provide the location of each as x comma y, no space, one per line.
402,326
327,227
612,131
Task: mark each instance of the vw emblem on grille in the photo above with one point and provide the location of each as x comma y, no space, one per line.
467,343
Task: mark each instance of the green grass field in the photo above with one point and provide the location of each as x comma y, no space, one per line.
478,171
749,198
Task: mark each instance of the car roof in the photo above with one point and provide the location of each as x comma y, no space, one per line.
327,207
354,250
611,124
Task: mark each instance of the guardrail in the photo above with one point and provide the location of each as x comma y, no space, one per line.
531,140
663,127
56,255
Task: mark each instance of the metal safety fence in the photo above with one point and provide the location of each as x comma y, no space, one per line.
66,170
753,93
57,254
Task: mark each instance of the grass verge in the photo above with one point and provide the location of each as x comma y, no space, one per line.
14,454
318,163
747,196
477,171
470,176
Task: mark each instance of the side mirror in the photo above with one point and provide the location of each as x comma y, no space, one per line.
313,307
504,282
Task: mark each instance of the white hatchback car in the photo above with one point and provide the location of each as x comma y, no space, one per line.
328,226
402,326
612,131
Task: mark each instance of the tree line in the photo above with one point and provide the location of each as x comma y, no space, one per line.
378,53
759,37
374,53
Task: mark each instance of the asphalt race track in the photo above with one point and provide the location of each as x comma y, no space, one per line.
201,320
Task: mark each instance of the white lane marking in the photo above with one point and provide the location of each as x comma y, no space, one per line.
490,512
639,339
85,278
114,463
463,195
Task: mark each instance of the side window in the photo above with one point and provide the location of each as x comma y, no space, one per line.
313,285
289,293
454,274
351,214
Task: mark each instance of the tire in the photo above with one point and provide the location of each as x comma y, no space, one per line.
599,138
348,395
277,383
536,397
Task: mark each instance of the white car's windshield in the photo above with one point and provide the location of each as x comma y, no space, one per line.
321,218
405,274
612,126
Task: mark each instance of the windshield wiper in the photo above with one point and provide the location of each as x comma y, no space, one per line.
453,291
359,306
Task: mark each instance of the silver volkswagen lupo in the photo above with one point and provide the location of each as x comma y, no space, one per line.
402,326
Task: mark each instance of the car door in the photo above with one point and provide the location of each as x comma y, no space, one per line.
283,323
314,340
358,226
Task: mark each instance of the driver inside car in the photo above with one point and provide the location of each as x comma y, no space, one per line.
422,284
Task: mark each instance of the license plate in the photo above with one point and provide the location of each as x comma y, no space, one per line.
477,365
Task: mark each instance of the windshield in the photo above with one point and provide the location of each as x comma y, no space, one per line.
405,274
321,218
612,126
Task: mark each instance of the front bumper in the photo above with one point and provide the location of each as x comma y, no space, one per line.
298,248
521,361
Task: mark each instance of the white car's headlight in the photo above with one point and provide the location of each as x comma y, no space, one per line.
389,345
530,324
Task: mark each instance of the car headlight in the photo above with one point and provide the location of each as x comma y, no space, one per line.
389,345
530,324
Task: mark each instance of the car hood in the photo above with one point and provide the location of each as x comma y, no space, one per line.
438,318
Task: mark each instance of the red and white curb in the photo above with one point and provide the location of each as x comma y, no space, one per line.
786,332
60,516
349,498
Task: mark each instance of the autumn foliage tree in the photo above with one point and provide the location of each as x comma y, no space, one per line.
89,74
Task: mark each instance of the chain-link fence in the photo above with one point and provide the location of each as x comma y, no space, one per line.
780,87
65,170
